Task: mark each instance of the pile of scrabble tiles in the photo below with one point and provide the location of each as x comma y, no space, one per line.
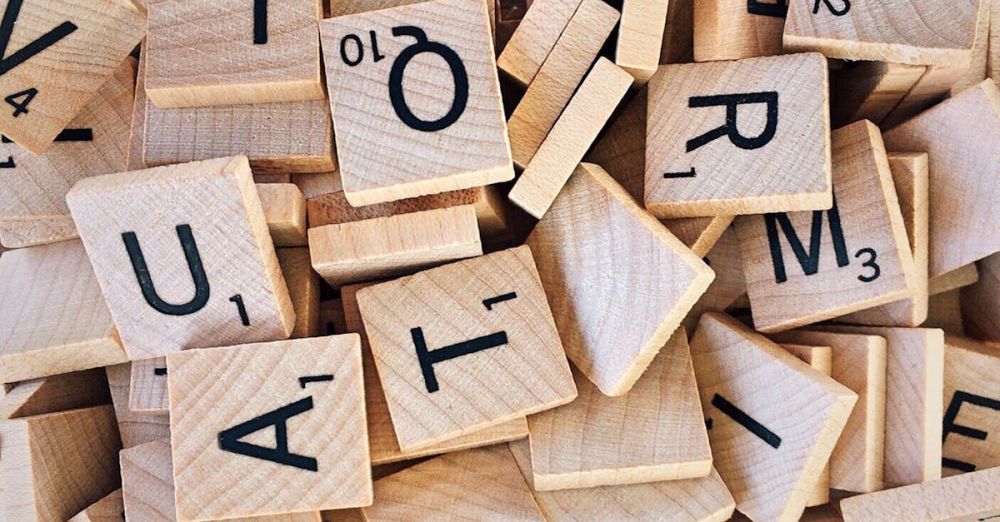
671,260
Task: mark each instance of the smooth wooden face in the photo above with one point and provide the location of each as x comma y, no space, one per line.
428,74
769,446
971,406
743,137
640,36
534,39
285,212
303,290
231,52
819,358
735,29
148,389
805,267
246,421
108,509
972,496
135,428
147,482
182,276
46,83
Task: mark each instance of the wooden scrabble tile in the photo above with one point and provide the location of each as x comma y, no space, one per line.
94,142
108,509
557,80
232,52
572,135
535,37
381,432
53,318
870,90
594,227
219,286
959,136
769,446
221,397
913,404
135,428
910,178
728,286
699,162
55,393
318,184
932,87
734,29
148,390
285,212
640,35
859,363
481,484
980,303
921,33
971,406
50,81
945,312
394,245
819,358
57,464
448,132
978,69
961,277
621,148
858,255
303,290
494,296
973,496
699,234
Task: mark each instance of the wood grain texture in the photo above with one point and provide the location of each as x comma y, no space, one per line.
728,179
979,302
148,390
108,509
958,136
285,212
595,228
524,371
234,247
576,129
870,90
55,393
381,157
819,358
958,278
135,428
741,367
699,234
206,53
36,231
216,389
932,87
53,317
640,35
727,30
390,246
317,184
303,290
945,311
978,69
67,74
729,285
971,406
797,277
535,37
973,496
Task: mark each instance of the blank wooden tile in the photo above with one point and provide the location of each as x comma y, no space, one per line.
221,397
769,445
805,267
493,309
870,90
56,465
381,432
734,29
945,311
819,358
594,227
859,363
958,136
148,390
932,87
971,406
55,393
696,119
980,303
384,247
108,509
50,81
198,271
479,484
973,496
303,290
53,318
232,52
285,212
447,130
135,428
962,277
640,35
922,33
535,37
94,142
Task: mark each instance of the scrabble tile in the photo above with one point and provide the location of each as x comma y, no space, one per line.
314,185
232,52
381,432
980,303
859,363
913,402
56,465
53,318
108,509
557,80
594,227
945,311
678,40
580,445
932,87
303,290
958,136
94,142
961,277
572,135
700,499
481,484
728,286
221,397
699,234
135,428
699,162
910,178
734,29
769,446
922,33
640,35
535,37
494,295
973,496
858,254
819,358
978,69
50,82
148,389
448,131
971,406
285,212
870,90
55,393
390,246
221,285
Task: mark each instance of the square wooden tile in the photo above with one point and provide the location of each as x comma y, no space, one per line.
819,358
303,290
135,428
535,37
735,29
971,406
973,496
640,36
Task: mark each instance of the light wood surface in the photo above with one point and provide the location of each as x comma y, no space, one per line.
932,87
961,277
973,496
980,302
536,35
640,35
66,391
699,234
108,509
303,290
971,406
730,30
285,212
148,390
819,358
728,287
135,428
317,184
870,90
